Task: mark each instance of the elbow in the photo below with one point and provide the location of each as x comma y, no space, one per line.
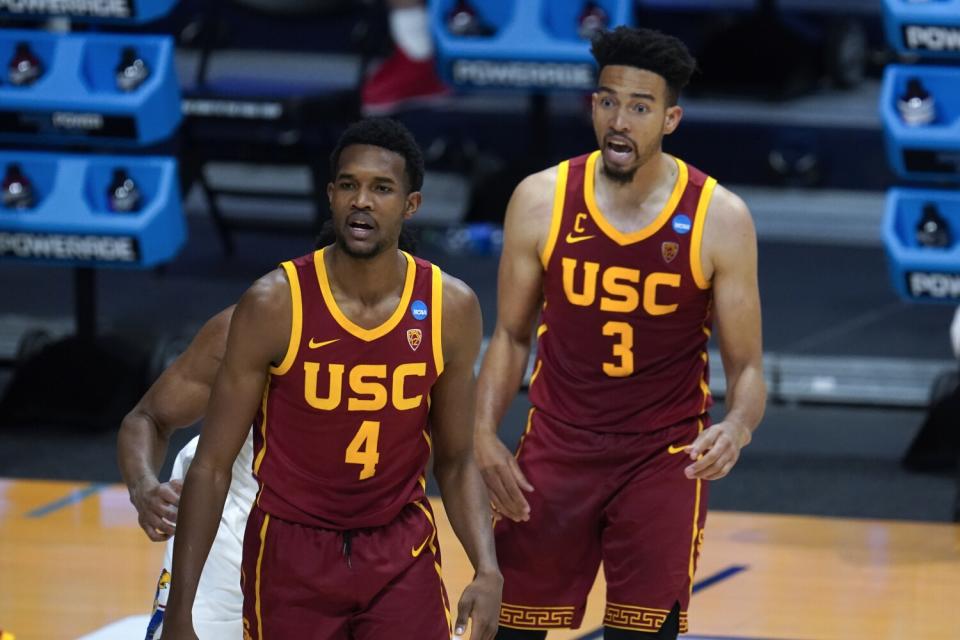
511,337
446,468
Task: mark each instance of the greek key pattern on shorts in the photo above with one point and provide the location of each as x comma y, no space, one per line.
639,618
513,615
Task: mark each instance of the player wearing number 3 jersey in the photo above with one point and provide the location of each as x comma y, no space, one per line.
629,255
351,362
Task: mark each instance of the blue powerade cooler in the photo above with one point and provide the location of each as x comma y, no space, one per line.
928,28
918,273
534,44
931,151
77,98
70,222
108,11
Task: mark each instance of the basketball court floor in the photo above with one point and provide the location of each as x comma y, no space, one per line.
74,564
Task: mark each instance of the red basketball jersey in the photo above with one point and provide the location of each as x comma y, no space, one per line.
622,345
341,440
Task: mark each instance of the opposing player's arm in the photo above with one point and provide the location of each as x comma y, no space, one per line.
259,335
177,399
461,487
519,294
730,247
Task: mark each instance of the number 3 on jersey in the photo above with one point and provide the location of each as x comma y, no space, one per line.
622,349
363,448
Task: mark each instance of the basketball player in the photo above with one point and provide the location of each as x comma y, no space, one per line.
340,358
178,399
629,255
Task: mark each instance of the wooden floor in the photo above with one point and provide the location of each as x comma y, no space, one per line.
72,561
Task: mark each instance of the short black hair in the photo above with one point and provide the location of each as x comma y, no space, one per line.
663,54
387,134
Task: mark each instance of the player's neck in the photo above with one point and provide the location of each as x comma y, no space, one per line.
647,180
366,280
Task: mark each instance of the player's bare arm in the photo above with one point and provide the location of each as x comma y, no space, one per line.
259,335
730,253
176,400
519,296
461,486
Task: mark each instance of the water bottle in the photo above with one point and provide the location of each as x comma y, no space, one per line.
132,70
17,190
464,20
593,19
932,230
123,196
916,105
25,68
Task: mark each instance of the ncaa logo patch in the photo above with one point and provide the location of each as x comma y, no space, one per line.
419,310
414,337
681,223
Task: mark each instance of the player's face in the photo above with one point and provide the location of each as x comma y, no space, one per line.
369,200
630,118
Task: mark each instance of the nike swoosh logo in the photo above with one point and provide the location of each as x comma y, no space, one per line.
673,449
572,239
416,552
313,344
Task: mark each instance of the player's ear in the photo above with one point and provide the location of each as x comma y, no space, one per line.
673,117
414,198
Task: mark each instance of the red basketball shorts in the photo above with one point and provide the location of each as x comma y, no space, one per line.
367,584
619,499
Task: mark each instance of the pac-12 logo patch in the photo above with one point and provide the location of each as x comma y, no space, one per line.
681,223
419,310
669,251
414,337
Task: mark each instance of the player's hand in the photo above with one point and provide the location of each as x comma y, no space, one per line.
480,603
503,477
156,504
716,450
177,627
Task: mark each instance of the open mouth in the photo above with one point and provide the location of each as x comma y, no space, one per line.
360,225
619,148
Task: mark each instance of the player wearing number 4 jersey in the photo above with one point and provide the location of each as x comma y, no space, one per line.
351,362
632,254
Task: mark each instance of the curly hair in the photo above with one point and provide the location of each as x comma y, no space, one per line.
663,54
387,134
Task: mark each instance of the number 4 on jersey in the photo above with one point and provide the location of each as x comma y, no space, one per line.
363,448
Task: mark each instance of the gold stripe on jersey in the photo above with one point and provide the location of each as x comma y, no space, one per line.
263,429
617,236
536,372
696,533
437,321
559,194
367,335
696,238
263,537
525,432
296,325
432,544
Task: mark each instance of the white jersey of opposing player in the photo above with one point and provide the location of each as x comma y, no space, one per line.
218,607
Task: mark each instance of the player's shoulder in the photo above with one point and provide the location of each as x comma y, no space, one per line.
267,295
539,184
530,210
728,211
459,299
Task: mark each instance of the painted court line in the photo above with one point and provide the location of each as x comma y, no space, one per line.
69,499
709,581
